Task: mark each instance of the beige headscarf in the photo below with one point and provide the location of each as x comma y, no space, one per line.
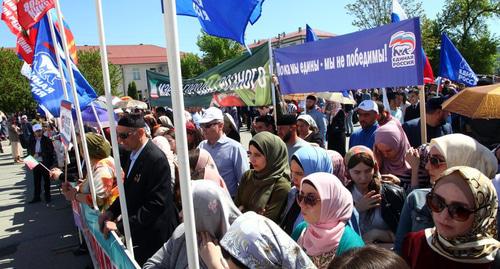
459,149
479,244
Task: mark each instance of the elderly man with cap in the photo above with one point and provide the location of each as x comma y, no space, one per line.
287,131
367,114
436,123
42,149
150,203
229,156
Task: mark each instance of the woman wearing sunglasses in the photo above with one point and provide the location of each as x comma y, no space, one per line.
327,207
378,202
264,188
464,206
444,152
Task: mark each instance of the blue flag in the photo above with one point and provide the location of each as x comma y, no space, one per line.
453,66
310,35
45,80
222,18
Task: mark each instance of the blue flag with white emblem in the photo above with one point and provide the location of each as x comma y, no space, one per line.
453,66
45,79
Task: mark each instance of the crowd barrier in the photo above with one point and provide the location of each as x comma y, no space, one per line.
105,253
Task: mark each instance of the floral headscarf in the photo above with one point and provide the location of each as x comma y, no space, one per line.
479,244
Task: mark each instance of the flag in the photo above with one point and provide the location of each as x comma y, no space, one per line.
398,14
222,18
310,35
453,66
46,82
30,162
70,38
30,12
24,41
9,16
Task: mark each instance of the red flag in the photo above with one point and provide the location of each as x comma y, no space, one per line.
70,38
9,16
30,12
428,74
25,48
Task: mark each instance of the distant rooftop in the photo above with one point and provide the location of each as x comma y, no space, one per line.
132,54
292,36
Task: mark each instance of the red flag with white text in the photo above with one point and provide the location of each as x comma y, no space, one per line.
30,12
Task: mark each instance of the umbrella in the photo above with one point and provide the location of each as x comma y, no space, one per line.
88,116
131,103
336,97
476,102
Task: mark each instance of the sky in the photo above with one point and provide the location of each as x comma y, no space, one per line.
128,22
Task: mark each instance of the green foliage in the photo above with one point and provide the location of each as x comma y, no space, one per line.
191,65
15,91
217,50
372,13
431,41
89,63
132,90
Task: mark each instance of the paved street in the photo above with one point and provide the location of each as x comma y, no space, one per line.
34,235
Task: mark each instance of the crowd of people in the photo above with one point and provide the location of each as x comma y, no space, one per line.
312,191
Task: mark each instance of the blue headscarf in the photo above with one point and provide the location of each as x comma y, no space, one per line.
313,159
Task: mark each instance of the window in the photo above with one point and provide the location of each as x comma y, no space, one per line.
136,74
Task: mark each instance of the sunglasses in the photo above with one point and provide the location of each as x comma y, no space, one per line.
124,135
435,161
457,211
308,199
208,125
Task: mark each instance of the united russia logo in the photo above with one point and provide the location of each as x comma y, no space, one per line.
403,48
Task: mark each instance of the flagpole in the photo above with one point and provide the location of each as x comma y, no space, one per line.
174,69
273,90
97,117
423,120
112,127
77,105
65,91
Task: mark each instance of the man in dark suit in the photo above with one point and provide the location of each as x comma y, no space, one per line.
42,149
150,206
413,110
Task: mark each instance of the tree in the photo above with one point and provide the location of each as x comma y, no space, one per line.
89,63
15,91
191,65
464,21
132,90
431,41
372,13
216,50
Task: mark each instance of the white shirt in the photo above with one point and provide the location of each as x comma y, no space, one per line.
133,157
38,149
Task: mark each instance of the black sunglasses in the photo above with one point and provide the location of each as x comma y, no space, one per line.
124,135
208,125
457,211
435,161
309,199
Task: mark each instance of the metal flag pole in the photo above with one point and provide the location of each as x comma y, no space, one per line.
174,70
77,105
273,90
112,127
65,90
97,118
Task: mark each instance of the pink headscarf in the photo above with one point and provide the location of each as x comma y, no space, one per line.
205,161
392,134
336,209
338,165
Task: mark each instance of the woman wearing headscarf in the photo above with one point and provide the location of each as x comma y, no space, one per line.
103,174
338,165
335,130
390,148
308,130
305,161
214,212
203,166
444,152
327,207
378,202
264,188
254,241
464,207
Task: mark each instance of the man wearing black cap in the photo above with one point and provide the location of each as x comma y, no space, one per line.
287,131
148,191
436,123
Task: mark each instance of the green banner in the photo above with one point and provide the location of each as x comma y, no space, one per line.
242,81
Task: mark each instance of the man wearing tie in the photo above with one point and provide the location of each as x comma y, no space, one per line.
413,110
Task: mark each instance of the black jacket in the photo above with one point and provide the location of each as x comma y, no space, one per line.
47,148
393,199
412,113
150,204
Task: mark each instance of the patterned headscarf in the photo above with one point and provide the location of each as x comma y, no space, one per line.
258,242
479,244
